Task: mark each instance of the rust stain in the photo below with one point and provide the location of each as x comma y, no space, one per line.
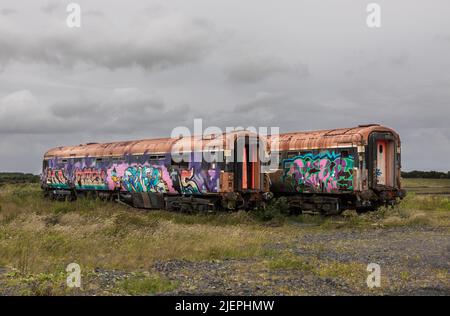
342,137
157,145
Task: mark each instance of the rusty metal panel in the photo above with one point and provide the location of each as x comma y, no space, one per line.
357,136
226,182
342,137
139,147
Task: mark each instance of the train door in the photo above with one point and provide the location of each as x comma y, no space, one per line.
385,162
381,162
247,164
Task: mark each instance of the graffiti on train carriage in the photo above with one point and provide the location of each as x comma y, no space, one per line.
144,179
56,178
326,171
90,178
199,180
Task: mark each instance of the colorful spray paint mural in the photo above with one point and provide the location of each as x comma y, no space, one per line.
56,178
143,176
90,178
198,180
324,172
144,179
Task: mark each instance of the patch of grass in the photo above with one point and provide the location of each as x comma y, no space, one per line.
427,186
414,210
275,212
290,262
344,270
351,272
405,276
39,236
309,219
421,182
425,202
442,274
146,285
63,207
40,284
215,219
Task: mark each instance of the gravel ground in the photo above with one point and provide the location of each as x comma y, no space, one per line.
413,261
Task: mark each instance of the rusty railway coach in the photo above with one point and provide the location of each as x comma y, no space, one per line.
329,171
144,173
324,171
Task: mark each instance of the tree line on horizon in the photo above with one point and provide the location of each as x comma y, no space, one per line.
18,177
426,174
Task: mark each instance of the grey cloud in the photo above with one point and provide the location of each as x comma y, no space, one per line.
124,111
160,43
120,102
95,13
261,64
268,109
256,69
51,7
399,60
8,11
262,100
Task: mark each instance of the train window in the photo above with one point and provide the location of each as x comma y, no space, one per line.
157,157
64,160
98,159
116,158
292,154
344,153
381,149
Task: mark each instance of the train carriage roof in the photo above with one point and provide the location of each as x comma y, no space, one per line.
341,137
331,138
144,146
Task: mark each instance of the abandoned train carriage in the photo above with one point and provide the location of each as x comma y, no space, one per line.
332,170
324,171
144,174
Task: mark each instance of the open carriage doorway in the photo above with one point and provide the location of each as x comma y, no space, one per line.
247,163
385,162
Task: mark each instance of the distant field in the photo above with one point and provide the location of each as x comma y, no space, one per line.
17,177
122,250
427,186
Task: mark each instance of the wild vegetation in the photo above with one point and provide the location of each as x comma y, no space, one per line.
120,248
17,177
426,174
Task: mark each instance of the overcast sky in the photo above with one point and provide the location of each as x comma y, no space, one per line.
137,69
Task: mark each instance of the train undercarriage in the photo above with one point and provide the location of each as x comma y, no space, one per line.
308,203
